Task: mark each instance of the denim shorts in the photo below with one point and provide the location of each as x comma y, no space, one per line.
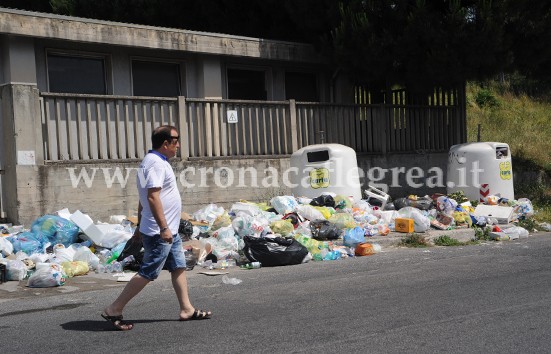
159,253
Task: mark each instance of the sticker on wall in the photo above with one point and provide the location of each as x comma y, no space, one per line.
319,178
26,158
505,170
232,116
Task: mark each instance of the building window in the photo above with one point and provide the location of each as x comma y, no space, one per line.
301,87
247,84
76,74
155,79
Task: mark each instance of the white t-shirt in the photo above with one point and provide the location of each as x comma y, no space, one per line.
155,172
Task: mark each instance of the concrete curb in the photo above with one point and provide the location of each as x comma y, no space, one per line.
394,238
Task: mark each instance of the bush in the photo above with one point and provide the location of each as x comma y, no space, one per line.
486,98
414,240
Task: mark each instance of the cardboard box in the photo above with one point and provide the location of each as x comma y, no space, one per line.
404,225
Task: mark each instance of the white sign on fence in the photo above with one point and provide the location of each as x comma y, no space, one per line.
232,117
26,158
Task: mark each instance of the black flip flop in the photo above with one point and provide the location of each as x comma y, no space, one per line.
118,322
198,315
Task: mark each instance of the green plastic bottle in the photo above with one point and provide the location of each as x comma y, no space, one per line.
252,265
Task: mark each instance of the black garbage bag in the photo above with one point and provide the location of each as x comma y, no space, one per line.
401,203
324,230
323,200
185,229
421,203
274,251
294,218
133,247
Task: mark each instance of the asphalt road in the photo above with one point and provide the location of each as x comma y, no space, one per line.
490,298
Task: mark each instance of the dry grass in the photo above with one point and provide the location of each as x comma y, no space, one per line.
522,123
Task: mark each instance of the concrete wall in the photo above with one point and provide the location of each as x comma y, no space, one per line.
106,189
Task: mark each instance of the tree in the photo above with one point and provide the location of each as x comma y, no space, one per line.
528,34
414,43
419,44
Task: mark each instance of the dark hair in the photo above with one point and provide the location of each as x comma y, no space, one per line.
161,134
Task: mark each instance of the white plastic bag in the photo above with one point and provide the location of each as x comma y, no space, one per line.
284,204
240,208
388,216
64,254
308,212
421,223
84,254
227,244
524,208
516,232
247,225
446,205
6,247
16,270
208,213
47,277
115,237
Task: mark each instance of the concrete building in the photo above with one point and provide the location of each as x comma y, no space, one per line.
78,99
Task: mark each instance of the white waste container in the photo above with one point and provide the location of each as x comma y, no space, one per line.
323,168
480,170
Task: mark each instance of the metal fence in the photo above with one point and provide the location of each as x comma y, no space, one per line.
91,127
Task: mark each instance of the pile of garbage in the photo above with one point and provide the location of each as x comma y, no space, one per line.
287,230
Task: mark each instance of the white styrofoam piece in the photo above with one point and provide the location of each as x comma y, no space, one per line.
94,233
502,214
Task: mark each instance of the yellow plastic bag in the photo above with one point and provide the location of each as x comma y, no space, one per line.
75,268
342,202
343,220
283,227
223,220
462,218
325,211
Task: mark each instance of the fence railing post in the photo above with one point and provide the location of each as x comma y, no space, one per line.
184,127
294,132
382,128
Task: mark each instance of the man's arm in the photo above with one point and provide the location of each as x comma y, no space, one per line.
154,199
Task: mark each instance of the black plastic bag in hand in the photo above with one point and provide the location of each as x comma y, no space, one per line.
185,228
274,251
133,247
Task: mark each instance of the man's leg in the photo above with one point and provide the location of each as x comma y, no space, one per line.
179,282
134,286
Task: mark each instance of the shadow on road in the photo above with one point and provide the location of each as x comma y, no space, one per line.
100,326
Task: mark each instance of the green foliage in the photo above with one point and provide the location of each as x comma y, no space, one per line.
529,224
459,197
482,234
445,240
485,98
414,240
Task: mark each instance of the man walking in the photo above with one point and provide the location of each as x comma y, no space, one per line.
159,213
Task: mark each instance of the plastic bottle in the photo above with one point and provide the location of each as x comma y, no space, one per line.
127,260
100,268
231,281
252,265
116,267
